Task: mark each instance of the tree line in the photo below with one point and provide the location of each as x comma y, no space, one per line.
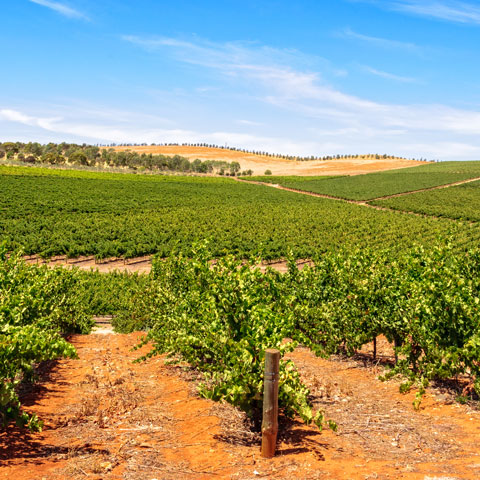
94,156
101,155
297,158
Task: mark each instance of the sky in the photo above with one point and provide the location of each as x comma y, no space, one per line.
304,77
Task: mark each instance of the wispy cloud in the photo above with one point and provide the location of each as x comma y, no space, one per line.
306,95
123,132
250,123
380,42
453,11
389,76
273,68
61,8
449,10
232,55
307,114
19,117
203,52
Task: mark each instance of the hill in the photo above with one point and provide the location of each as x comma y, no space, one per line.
280,166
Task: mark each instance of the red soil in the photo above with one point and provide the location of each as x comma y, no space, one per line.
131,265
108,418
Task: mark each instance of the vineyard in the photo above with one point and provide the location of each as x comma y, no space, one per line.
460,202
37,306
380,184
374,277
240,240
221,318
122,215
285,180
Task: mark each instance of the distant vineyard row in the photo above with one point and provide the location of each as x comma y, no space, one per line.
460,202
83,213
380,184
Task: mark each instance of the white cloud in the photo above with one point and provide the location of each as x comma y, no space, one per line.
229,56
61,8
380,42
270,67
307,96
449,10
250,123
389,76
19,117
409,131
453,11
307,115
99,132
306,91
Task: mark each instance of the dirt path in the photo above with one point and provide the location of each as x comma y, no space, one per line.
366,203
360,202
439,187
108,418
131,265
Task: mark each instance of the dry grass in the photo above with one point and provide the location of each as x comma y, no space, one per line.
278,166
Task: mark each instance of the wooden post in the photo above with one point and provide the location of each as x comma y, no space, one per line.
270,403
374,348
396,343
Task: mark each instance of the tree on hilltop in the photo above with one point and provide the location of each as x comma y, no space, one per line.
78,157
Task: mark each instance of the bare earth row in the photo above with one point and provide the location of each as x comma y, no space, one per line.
109,418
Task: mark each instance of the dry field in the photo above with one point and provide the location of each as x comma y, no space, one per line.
259,163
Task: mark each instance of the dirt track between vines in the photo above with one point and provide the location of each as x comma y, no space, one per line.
108,418
363,203
438,187
132,265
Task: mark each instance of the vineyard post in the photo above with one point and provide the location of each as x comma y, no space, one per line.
270,403
396,344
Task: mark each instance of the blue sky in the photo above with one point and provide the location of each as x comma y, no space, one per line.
305,77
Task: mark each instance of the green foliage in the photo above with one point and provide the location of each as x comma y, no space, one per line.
460,202
108,293
221,318
51,158
426,301
234,168
78,157
20,348
53,212
379,184
41,296
284,179
91,156
37,305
